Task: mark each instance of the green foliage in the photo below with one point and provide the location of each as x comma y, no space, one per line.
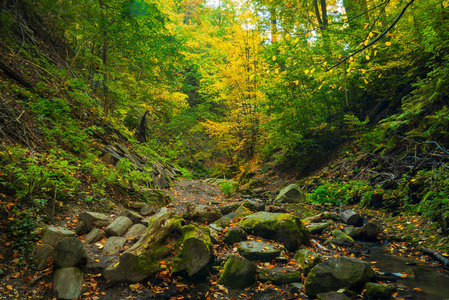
40,175
338,193
228,187
435,201
20,229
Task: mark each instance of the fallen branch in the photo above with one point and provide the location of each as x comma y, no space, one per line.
437,255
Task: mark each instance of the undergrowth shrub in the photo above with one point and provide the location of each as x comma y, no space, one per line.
337,193
228,187
43,175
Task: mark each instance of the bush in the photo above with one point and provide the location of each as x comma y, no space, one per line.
228,187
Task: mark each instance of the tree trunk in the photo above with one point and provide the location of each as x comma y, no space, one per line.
104,57
350,217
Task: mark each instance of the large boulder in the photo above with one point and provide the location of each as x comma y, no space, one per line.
202,213
284,228
335,274
182,247
196,250
238,272
291,194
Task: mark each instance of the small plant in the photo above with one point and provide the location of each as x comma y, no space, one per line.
228,187
19,230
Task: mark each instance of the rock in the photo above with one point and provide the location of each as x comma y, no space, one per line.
135,217
318,228
148,210
202,213
342,239
80,228
350,217
94,219
120,225
279,275
196,251
254,205
214,235
229,208
307,259
216,227
53,235
238,273
258,251
166,232
113,245
336,274
94,235
284,228
377,290
138,205
70,252
235,235
147,221
43,253
371,229
354,232
226,220
136,231
68,283
97,265
332,296
290,194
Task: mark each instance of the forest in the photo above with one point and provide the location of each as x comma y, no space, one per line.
104,104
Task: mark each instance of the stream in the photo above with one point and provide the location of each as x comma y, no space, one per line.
433,281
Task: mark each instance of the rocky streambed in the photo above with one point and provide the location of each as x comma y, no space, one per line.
251,248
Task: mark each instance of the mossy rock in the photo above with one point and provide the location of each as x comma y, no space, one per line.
291,194
233,216
378,290
259,251
238,273
307,259
279,275
196,250
335,274
341,238
235,235
284,228
166,232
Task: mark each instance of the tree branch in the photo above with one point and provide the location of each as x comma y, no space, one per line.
377,38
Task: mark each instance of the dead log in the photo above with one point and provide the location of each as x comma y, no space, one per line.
319,217
350,217
12,74
437,255
371,229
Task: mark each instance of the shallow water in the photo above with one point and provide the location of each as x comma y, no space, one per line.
433,281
